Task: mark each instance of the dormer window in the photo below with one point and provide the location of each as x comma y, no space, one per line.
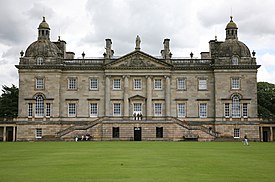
39,61
235,60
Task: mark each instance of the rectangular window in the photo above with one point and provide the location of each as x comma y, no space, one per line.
226,110
181,84
137,107
158,109
181,110
137,84
159,132
116,84
236,133
115,132
203,110
39,83
30,109
202,84
48,109
38,133
71,109
72,84
93,109
94,84
235,83
157,84
116,109
245,110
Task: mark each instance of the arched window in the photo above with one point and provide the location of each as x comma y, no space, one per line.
236,107
39,106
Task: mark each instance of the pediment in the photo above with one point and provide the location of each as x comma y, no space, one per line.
137,97
138,59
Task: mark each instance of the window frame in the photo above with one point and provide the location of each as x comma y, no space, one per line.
30,110
236,133
38,133
116,84
72,110
116,109
203,110
235,83
39,83
157,109
72,83
236,107
202,84
245,110
181,114
137,84
226,110
181,84
158,84
39,106
48,109
93,84
93,110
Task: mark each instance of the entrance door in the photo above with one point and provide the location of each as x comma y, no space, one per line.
265,136
137,133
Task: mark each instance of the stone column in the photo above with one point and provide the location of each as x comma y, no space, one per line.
261,133
126,96
4,134
107,95
167,95
271,134
13,132
149,97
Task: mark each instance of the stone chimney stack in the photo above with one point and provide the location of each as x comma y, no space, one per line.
109,52
165,53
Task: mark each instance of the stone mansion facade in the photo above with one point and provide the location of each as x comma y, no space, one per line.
137,96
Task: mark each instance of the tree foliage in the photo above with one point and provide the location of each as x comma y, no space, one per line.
9,102
266,100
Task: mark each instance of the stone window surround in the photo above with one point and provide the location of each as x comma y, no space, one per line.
179,85
235,83
74,82
94,79
39,83
201,85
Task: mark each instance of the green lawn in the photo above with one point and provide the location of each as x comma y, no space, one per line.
136,161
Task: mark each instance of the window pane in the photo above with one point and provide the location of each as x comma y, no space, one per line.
235,83
72,84
116,84
181,110
245,110
93,107
157,84
137,84
30,109
71,109
202,84
181,84
39,106
117,110
226,110
236,108
203,110
158,109
94,85
236,133
48,109
39,83
38,133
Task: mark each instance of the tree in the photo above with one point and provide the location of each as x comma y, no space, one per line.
266,100
9,102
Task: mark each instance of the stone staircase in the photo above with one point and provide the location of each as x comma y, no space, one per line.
79,127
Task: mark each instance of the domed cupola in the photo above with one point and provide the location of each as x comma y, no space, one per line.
231,30
232,46
44,30
43,47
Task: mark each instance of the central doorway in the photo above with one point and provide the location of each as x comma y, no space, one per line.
137,133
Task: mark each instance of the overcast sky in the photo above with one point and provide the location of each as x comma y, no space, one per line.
85,25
